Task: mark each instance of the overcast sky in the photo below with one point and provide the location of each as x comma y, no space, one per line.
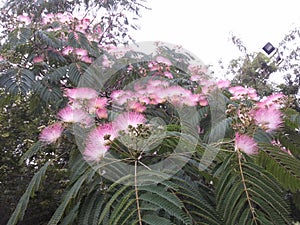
204,27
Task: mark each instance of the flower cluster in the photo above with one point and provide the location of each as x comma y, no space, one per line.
264,114
155,92
61,25
85,107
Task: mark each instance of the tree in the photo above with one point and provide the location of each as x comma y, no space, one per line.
113,180
152,139
254,69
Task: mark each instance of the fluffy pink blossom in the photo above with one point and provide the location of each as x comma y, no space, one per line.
163,60
128,119
196,77
81,52
48,18
67,50
51,133
240,92
223,84
97,103
37,59
98,142
71,115
121,97
207,85
179,96
24,19
82,26
102,113
86,59
81,93
168,74
136,106
271,100
203,100
153,66
246,144
268,119
98,106
64,17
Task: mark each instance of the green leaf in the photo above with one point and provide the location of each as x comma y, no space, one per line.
169,207
246,194
284,167
71,216
17,80
153,219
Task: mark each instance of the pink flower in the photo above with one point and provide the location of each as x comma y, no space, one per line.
153,66
269,119
63,18
97,103
82,25
168,75
196,77
207,85
128,119
48,18
106,62
98,142
98,106
51,133
203,100
70,115
121,97
24,19
179,96
81,52
272,100
102,113
86,59
246,144
240,92
81,93
37,59
163,60
136,106
67,50
223,84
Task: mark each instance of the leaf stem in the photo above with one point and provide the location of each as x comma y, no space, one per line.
245,188
136,193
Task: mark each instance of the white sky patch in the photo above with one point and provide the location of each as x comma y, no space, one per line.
204,27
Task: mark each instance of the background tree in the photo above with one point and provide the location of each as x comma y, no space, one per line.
289,47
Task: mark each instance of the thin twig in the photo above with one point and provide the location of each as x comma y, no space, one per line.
136,193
